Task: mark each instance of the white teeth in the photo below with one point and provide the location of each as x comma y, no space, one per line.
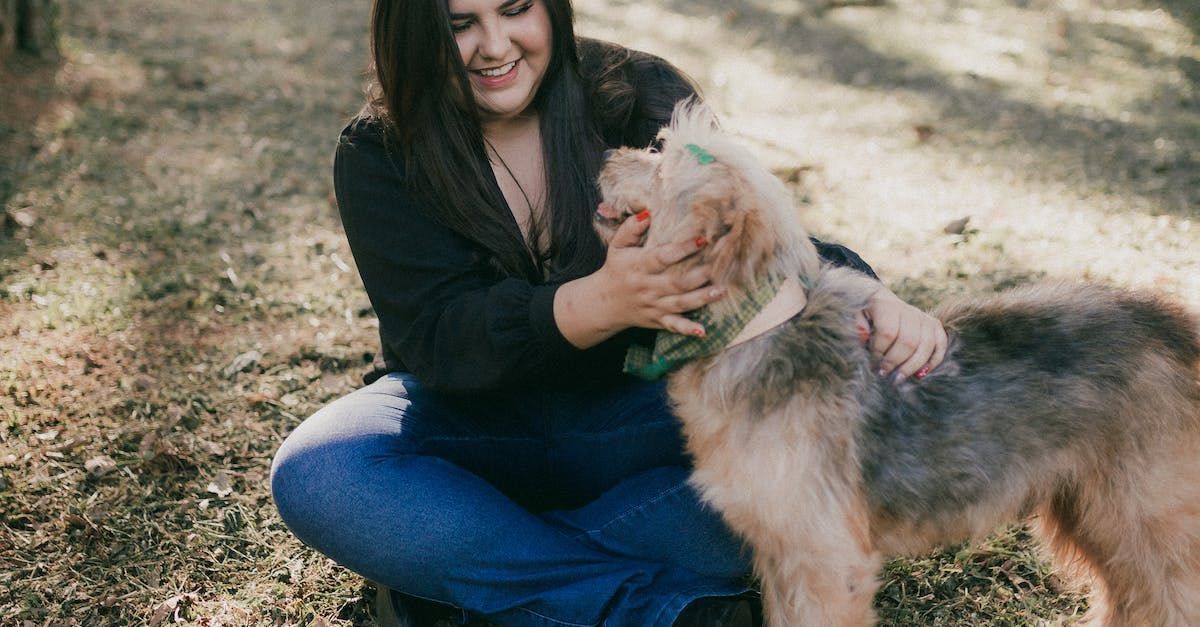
500,71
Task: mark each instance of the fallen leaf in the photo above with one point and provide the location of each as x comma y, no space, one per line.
242,363
956,227
170,607
100,465
221,484
24,218
76,521
255,398
210,447
147,448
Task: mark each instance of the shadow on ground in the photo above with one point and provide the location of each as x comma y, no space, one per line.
1054,144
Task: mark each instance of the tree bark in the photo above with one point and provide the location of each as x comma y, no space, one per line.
29,26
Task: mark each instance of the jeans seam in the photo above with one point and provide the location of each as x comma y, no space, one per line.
639,507
556,622
587,434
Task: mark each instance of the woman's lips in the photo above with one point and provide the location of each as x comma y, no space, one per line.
496,81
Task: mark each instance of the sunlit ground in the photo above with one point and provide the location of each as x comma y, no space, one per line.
1069,132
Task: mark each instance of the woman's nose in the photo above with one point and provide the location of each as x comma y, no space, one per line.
496,43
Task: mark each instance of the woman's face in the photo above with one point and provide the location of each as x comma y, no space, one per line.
505,46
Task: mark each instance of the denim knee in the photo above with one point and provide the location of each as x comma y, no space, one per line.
328,453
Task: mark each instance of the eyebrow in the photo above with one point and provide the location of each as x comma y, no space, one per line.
462,16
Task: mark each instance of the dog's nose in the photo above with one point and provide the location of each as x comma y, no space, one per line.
608,154
608,212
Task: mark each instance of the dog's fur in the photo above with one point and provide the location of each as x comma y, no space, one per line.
1079,404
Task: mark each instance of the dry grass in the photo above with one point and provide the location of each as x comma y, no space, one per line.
167,209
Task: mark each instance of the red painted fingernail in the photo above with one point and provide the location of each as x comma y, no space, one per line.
698,333
643,216
701,242
864,334
922,372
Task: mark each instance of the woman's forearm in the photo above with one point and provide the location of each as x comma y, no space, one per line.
586,311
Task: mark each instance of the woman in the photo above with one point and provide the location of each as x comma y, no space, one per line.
502,463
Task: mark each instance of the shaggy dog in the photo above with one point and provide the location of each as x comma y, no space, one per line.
1078,404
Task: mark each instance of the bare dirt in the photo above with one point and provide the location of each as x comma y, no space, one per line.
176,294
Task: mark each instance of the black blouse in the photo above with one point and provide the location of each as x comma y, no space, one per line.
444,315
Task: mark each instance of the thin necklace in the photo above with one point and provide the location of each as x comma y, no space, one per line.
533,222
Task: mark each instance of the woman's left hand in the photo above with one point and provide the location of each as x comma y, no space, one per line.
904,339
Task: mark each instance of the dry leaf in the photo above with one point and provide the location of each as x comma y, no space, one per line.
221,485
242,363
100,465
171,607
956,227
24,218
212,448
76,521
148,446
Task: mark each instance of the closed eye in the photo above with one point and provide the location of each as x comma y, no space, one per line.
518,10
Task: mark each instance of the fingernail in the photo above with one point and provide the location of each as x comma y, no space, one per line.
864,334
698,333
898,379
715,292
701,242
643,216
922,373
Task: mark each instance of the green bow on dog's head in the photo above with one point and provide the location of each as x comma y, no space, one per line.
702,155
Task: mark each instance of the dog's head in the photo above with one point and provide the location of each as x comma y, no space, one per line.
699,183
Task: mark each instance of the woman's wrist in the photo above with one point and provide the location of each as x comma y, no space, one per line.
587,311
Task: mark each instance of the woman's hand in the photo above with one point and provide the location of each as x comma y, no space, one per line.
904,339
636,287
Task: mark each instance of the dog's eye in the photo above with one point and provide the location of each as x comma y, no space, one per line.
652,150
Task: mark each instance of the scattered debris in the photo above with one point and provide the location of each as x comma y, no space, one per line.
99,466
924,132
956,227
242,363
221,485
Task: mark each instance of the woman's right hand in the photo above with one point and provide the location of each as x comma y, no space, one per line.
636,287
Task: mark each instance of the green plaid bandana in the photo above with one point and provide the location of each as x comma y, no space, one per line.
672,350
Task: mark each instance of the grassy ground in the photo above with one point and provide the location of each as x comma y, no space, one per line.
176,294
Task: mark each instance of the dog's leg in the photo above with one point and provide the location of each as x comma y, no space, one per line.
829,585
803,517
1139,535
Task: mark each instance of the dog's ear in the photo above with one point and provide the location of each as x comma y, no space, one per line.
741,242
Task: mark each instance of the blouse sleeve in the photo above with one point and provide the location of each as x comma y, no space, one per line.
444,313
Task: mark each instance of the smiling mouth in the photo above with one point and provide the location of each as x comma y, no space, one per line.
497,71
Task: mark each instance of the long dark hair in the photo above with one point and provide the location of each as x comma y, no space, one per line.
418,71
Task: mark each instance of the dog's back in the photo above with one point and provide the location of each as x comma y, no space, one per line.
1032,377
1079,402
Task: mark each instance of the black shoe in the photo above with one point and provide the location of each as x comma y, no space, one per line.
716,612
393,609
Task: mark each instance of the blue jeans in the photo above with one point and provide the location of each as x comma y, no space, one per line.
546,508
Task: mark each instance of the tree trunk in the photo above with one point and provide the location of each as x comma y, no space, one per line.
29,26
